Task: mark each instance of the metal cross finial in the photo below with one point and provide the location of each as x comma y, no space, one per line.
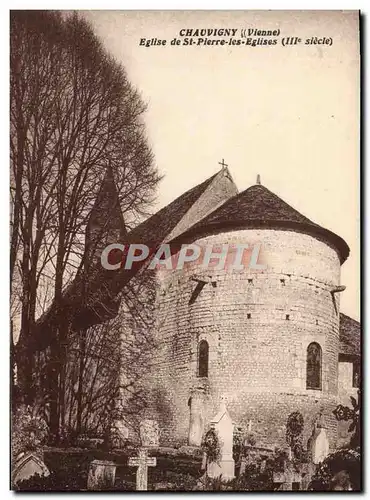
258,179
223,164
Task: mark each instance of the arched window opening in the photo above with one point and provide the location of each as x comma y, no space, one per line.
356,375
203,352
314,366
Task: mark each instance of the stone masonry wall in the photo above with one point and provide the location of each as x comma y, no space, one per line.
345,392
258,324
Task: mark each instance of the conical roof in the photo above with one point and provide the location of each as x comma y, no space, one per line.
106,212
258,207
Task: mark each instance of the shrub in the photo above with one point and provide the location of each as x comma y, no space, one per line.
29,431
330,472
211,445
254,479
56,481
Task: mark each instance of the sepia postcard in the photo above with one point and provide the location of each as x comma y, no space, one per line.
185,251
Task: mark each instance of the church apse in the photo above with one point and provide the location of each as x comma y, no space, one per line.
264,337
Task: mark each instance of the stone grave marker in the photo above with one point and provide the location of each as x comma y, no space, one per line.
243,463
26,466
319,446
318,443
224,427
149,433
102,474
142,462
118,434
196,424
287,479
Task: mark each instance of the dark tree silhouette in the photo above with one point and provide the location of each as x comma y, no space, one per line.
73,115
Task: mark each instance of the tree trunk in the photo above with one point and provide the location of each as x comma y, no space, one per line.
82,342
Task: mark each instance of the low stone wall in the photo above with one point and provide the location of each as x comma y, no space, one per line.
172,464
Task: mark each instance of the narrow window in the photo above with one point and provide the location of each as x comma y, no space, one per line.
249,315
356,375
203,352
287,317
314,362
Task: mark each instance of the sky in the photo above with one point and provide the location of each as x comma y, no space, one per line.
288,113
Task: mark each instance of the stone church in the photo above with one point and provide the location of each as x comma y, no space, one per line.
268,341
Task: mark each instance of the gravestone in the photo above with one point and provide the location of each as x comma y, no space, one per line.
318,444
196,424
243,463
118,434
224,427
28,465
287,479
142,462
308,470
149,433
102,474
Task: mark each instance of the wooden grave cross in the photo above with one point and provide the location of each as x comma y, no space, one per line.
142,462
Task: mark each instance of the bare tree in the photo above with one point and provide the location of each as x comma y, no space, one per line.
105,365
73,115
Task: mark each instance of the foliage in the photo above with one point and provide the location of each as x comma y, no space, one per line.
29,431
342,469
255,479
294,430
238,441
242,442
211,445
351,414
345,460
207,483
172,481
278,460
250,439
56,481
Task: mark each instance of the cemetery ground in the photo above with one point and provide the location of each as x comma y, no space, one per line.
229,459
176,470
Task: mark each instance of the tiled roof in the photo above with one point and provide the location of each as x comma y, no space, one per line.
349,336
257,206
152,231
159,225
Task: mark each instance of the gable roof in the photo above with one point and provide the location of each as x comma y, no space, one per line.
349,336
161,225
106,285
258,207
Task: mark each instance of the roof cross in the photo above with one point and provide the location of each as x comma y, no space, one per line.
223,164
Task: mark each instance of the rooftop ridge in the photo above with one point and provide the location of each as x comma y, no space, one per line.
257,206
